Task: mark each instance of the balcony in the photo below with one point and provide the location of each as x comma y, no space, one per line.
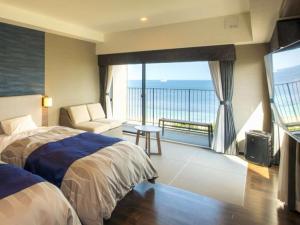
287,101
180,104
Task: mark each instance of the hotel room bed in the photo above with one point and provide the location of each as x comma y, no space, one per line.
93,171
28,199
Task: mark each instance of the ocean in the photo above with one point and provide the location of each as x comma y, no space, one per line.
195,100
192,100
173,84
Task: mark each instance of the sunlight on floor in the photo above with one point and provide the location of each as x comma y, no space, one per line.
262,171
200,171
237,159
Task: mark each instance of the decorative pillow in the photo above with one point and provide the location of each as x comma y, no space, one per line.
96,111
18,125
79,114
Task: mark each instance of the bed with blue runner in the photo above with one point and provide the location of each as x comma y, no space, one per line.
52,160
14,179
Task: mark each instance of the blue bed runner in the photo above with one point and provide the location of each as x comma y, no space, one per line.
14,179
52,160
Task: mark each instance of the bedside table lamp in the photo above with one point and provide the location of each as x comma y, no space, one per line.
46,103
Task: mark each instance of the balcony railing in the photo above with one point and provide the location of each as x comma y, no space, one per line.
287,101
182,104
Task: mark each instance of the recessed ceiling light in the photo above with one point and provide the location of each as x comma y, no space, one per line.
143,19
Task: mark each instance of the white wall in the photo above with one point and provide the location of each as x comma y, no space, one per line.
189,34
250,100
71,73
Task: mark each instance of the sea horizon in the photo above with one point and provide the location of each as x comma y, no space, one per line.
174,84
193,100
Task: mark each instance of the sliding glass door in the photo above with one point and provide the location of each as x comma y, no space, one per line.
182,92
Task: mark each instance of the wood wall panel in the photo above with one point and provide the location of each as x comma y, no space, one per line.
290,8
22,61
207,53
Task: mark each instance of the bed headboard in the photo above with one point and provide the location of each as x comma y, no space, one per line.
11,107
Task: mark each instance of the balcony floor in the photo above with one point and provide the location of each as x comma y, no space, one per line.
177,136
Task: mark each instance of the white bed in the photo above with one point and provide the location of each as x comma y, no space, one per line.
15,106
92,184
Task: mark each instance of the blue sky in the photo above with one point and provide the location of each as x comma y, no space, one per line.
171,71
286,59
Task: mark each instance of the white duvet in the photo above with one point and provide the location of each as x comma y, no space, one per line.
94,184
39,204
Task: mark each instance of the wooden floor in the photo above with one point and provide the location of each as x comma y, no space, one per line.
156,204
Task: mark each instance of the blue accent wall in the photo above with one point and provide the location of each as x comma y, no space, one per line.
22,61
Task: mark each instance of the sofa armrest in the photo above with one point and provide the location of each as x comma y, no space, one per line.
64,118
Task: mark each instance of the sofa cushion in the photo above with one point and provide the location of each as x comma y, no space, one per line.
91,126
96,111
112,123
79,114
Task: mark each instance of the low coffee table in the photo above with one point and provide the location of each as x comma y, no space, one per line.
148,129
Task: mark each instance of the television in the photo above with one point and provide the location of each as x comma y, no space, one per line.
283,72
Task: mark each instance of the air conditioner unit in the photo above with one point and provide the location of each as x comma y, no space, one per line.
259,147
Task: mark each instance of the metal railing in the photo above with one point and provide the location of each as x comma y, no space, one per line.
182,104
287,101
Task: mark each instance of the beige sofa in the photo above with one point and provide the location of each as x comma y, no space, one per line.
89,117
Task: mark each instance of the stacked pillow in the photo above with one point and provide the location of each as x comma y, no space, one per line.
18,125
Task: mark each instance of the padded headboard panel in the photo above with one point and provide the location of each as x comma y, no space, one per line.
11,107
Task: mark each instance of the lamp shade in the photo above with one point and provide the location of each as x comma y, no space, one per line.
47,102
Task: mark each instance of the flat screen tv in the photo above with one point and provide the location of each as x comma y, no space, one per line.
283,70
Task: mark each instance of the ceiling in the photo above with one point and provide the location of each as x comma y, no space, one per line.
92,19
118,15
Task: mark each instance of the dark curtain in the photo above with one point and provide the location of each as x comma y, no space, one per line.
103,72
226,70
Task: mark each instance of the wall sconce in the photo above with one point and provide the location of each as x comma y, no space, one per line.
47,102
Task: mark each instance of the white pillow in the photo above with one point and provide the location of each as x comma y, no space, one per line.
18,125
79,114
96,111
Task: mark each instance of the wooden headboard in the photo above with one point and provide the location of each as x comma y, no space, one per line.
11,107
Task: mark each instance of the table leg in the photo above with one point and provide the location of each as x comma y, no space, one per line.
158,143
137,137
146,142
149,140
209,135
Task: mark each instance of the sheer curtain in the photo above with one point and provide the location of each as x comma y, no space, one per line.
106,76
226,69
219,138
275,115
103,73
283,181
107,92
224,133
120,80
281,142
297,194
